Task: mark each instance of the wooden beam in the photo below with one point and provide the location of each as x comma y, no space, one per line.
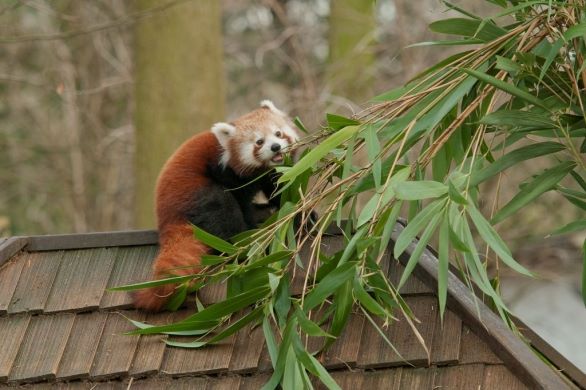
92,240
9,247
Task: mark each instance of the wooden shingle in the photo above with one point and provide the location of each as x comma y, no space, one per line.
467,376
374,350
499,376
445,348
344,352
247,350
82,346
9,275
475,350
12,330
417,378
382,379
132,265
42,348
34,285
115,350
151,348
81,280
210,360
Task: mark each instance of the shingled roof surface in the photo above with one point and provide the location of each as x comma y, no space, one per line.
59,327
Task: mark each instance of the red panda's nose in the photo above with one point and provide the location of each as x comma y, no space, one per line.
275,147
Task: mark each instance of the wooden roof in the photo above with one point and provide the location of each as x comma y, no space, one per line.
60,328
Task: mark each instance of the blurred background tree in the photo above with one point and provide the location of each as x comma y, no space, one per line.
82,81
178,89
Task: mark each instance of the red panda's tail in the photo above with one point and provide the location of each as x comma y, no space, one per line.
180,254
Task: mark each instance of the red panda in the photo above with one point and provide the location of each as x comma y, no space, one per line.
192,189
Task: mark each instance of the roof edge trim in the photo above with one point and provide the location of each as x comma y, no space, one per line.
486,324
10,247
91,240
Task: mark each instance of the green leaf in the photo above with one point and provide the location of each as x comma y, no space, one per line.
329,285
513,158
342,308
267,260
474,28
317,153
228,331
506,64
416,190
373,149
367,301
270,340
314,366
443,265
542,183
213,241
300,125
419,248
308,326
153,283
414,226
507,87
455,195
490,236
578,30
208,260
338,122
572,227
177,298
231,305
519,118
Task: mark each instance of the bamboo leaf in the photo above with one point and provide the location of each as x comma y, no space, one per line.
519,118
153,283
514,157
507,87
490,236
542,183
572,227
342,308
419,248
308,326
367,301
408,234
416,190
177,298
317,153
443,265
575,31
338,122
329,285
228,331
474,28
213,241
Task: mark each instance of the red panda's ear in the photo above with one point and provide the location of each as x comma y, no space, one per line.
223,132
271,106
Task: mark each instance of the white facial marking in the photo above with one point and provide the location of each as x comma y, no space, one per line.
223,132
246,153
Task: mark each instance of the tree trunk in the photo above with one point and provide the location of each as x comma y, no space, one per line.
351,37
179,87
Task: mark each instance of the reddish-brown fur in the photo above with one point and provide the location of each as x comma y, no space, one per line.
180,253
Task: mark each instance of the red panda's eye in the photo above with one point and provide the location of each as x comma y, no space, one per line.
260,142
278,134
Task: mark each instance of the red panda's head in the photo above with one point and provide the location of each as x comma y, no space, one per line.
257,140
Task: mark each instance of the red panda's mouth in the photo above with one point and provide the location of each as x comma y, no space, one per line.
277,158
